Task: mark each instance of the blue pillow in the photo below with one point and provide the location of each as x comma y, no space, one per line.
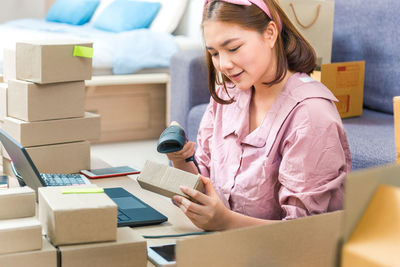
75,12
126,15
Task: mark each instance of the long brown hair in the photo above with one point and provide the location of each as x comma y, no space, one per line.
293,51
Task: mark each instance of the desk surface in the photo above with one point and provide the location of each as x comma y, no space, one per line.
177,222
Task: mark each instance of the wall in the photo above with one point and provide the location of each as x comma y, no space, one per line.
15,9
190,24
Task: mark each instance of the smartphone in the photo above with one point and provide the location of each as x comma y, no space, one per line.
162,255
109,172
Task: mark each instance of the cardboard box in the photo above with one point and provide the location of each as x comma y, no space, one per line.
376,239
53,131
3,101
77,218
129,250
9,69
165,180
57,158
34,102
21,234
346,81
45,257
17,202
309,241
6,163
52,61
360,189
61,158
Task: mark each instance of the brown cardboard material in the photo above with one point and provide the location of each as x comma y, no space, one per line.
129,250
34,102
21,234
310,241
165,180
346,81
45,257
61,158
17,202
6,163
376,239
53,131
9,64
3,101
77,218
360,188
51,61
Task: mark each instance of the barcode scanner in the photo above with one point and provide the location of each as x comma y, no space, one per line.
172,139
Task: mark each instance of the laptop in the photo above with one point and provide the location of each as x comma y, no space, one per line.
131,210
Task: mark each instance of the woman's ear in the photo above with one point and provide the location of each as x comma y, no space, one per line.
271,34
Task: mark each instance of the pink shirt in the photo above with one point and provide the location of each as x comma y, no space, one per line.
292,165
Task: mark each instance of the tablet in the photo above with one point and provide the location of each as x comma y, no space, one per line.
162,255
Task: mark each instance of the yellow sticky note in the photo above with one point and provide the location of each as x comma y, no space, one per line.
83,190
83,51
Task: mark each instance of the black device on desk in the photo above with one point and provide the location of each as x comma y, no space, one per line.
131,210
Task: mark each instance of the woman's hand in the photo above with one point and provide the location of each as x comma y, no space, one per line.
209,213
186,152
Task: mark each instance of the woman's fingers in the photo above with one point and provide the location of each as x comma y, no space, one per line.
188,206
195,194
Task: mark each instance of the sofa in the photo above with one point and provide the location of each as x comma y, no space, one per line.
363,30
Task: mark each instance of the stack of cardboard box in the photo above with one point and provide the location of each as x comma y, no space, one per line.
21,240
83,226
45,104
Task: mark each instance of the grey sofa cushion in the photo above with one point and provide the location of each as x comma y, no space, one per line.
193,121
369,30
371,139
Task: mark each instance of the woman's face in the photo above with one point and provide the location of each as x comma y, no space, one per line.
245,56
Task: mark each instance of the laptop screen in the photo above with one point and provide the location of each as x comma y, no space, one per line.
22,162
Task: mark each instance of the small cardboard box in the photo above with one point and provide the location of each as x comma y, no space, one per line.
9,64
17,202
45,257
34,102
3,101
77,218
61,158
165,180
21,234
53,131
310,241
346,81
52,61
360,189
129,250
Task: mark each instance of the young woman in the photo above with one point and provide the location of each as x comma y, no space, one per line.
271,140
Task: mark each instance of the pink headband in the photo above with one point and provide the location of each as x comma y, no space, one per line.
260,3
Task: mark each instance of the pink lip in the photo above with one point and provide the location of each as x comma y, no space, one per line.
236,76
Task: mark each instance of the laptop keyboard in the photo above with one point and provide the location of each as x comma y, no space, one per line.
122,217
62,179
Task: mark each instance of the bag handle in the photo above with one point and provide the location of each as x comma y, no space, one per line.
312,22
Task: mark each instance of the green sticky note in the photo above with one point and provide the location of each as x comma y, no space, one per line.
83,51
83,190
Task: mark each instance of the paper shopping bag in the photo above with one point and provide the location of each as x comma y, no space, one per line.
376,239
314,20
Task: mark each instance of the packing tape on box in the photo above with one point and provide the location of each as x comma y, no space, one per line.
83,51
83,190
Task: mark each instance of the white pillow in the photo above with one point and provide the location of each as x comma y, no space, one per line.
103,4
167,18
